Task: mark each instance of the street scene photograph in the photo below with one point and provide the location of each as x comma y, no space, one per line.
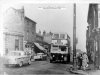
50,38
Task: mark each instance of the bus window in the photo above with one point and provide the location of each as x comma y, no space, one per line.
56,36
63,48
62,36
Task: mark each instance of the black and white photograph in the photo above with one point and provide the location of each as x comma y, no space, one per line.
40,38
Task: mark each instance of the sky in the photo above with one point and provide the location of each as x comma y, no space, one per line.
50,17
59,18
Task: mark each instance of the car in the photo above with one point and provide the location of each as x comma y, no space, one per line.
30,54
40,56
17,58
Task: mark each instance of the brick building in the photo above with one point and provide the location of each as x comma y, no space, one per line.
29,32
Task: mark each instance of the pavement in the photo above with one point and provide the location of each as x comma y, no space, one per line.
80,72
89,71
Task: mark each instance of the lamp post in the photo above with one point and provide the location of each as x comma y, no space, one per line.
74,38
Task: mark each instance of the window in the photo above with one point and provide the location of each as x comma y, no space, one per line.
62,36
55,46
58,41
56,36
63,48
16,44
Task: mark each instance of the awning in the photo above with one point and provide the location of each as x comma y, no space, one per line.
40,47
29,44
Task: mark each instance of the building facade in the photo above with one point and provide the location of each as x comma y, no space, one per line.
13,22
93,34
39,38
18,30
47,37
29,32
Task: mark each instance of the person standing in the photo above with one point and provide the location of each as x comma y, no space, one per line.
80,61
92,56
84,61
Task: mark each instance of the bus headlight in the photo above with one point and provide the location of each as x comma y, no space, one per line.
62,56
53,55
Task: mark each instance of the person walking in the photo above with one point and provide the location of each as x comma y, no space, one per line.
84,61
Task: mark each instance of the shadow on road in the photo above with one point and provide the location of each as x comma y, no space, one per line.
16,66
59,62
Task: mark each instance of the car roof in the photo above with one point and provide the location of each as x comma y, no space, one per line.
17,51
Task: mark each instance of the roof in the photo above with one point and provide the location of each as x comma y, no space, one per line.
61,33
30,19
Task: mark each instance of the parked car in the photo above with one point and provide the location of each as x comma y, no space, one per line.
30,54
41,56
17,58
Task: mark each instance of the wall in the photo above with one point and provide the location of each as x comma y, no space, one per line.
14,20
13,28
30,30
47,38
39,38
93,37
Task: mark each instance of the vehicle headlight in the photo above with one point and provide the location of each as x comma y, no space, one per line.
53,55
62,56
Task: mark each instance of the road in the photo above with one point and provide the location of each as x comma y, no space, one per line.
37,67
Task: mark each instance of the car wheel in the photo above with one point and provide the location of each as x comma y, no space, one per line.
29,62
65,58
21,64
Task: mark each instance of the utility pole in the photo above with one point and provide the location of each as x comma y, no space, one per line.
74,38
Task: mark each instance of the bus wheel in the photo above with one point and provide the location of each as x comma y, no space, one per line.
65,60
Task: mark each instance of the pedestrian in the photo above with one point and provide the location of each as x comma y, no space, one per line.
92,56
80,61
84,61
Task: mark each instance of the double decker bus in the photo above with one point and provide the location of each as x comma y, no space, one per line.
60,47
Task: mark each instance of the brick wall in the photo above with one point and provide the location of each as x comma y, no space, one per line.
30,30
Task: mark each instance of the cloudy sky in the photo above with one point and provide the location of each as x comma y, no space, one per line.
59,18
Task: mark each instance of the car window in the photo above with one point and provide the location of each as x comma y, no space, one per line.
26,53
14,54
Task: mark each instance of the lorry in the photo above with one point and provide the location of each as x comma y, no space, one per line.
60,47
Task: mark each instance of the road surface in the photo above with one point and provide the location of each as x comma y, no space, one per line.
37,67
